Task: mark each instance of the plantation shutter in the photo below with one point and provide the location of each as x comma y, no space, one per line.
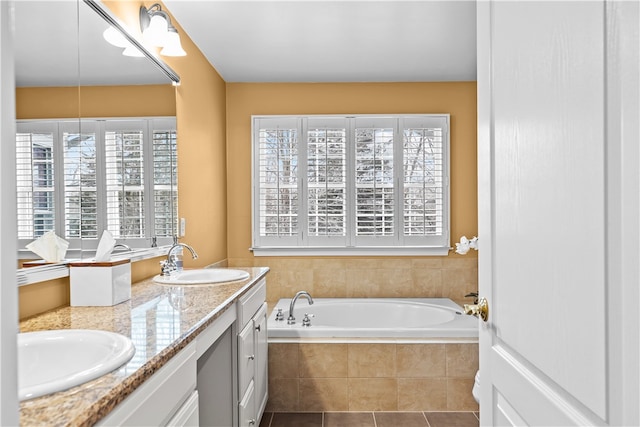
278,184
165,178
124,172
424,182
375,193
35,179
326,181
80,180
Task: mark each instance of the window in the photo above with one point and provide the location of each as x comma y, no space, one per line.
80,178
351,185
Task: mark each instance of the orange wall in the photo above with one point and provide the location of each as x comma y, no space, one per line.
456,98
201,115
96,101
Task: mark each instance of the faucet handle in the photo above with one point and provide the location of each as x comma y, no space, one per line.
166,267
291,320
473,295
279,315
306,321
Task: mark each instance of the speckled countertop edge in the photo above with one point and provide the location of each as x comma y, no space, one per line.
196,307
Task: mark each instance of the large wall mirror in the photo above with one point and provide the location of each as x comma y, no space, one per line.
67,72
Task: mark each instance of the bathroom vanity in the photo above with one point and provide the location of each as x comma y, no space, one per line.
201,358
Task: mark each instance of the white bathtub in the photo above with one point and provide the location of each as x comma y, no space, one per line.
374,320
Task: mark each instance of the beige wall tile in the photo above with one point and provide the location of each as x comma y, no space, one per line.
460,262
329,263
322,360
396,263
323,394
283,395
372,360
329,283
364,263
427,282
420,360
373,394
422,394
459,397
427,263
462,360
456,283
396,283
283,360
292,281
273,287
364,283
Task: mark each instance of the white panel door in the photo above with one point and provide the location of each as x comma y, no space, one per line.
550,153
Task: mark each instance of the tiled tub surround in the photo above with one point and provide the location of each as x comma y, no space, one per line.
309,377
161,320
377,277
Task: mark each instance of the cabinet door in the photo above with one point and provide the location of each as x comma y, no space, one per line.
260,322
217,394
246,413
246,357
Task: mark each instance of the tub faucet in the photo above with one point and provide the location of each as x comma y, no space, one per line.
169,265
291,320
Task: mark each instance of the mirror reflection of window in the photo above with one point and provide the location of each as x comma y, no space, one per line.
116,174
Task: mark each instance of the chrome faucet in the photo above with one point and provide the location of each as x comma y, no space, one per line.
169,265
291,320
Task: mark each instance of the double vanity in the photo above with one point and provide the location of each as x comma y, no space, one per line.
200,357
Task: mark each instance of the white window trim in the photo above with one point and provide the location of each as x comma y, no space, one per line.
409,248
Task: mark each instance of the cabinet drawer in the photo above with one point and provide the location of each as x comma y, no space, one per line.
187,415
246,409
246,357
251,302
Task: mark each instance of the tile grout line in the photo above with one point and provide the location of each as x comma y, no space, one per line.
424,414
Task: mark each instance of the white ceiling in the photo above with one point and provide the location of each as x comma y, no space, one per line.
333,41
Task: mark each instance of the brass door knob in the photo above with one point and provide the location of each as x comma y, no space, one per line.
481,309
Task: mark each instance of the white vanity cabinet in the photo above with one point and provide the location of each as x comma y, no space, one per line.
252,356
167,394
218,380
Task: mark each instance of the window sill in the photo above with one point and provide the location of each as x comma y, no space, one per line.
353,251
45,272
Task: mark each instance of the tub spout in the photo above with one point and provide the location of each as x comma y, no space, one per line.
291,320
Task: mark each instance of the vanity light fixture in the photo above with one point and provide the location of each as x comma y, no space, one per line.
158,31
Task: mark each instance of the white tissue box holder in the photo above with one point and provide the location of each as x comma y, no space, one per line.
100,283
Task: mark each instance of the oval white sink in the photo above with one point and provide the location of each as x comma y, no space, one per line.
52,361
202,275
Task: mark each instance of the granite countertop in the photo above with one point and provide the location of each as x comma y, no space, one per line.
159,319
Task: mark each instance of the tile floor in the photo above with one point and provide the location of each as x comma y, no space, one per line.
370,419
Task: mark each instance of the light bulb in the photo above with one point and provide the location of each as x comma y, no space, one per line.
172,46
156,33
115,37
131,50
